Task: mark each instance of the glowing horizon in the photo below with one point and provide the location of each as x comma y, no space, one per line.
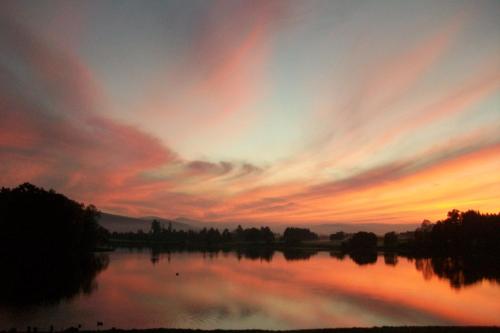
261,111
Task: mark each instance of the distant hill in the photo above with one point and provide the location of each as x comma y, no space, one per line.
196,224
125,223
120,223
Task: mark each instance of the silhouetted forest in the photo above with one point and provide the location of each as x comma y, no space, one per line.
361,242
32,218
159,234
297,235
46,245
463,248
461,232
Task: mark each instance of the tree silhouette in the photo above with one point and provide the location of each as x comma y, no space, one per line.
32,218
362,241
340,235
297,235
390,239
460,233
156,228
46,244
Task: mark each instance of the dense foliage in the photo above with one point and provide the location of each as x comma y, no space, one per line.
206,236
32,218
340,235
362,241
297,235
46,244
390,239
461,232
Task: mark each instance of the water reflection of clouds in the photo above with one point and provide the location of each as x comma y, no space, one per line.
321,292
230,290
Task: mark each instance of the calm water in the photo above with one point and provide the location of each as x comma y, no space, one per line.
273,291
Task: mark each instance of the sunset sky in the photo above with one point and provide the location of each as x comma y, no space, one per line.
264,111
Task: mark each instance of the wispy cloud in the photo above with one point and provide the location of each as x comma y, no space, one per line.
413,132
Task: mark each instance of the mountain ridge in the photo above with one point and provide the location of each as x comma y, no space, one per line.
122,223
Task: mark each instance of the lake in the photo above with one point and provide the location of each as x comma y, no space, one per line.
270,290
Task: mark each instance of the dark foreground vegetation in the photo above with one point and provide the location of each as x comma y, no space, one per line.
46,246
33,218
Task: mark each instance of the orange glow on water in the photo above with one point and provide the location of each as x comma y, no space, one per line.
220,291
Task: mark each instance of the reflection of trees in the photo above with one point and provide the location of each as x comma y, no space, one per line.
363,257
298,254
425,266
461,271
256,253
390,258
157,253
48,280
251,253
337,254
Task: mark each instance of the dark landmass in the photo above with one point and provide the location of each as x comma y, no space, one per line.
120,223
47,244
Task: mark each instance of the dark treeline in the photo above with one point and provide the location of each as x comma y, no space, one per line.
463,248
161,234
297,235
33,218
468,232
46,246
166,235
361,242
461,232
